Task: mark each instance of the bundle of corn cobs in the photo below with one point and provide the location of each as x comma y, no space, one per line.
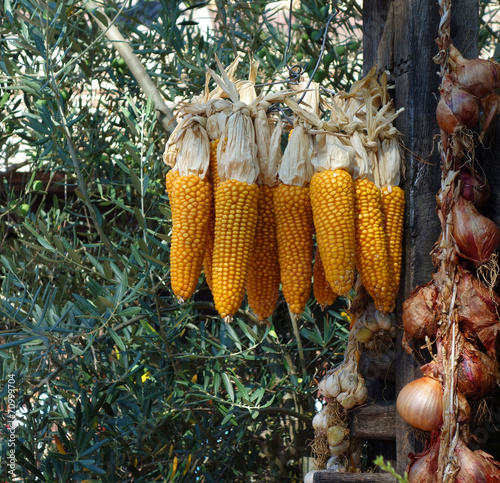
247,214
456,314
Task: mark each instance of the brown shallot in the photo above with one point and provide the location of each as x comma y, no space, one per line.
476,236
479,76
420,313
477,372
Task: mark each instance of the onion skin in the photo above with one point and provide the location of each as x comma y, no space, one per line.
474,188
423,466
475,466
477,311
419,313
476,236
477,373
456,109
420,403
422,471
479,76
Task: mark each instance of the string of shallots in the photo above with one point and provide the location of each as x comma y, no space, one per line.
447,341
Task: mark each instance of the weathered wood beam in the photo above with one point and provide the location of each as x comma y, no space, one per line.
405,48
327,476
376,421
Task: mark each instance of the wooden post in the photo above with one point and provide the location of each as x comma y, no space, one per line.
405,47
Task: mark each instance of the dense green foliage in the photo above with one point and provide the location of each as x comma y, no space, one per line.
131,385
114,380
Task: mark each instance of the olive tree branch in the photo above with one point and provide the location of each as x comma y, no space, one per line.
163,113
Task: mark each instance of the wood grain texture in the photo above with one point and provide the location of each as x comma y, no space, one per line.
406,48
326,476
375,421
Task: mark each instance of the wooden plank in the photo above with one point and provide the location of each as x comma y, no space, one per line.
374,19
326,476
376,421
406,48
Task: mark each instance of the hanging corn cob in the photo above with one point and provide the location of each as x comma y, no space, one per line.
217,112
323,293
264,275
332,200
235,204
190,195
294,225
372,260
381,142
333,209
393,205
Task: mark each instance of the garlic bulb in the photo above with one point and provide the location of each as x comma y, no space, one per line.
348,381
309,478
334,464
332,385
385,321
363,334
320,421
338,449
336,434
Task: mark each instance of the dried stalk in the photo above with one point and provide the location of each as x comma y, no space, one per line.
449,337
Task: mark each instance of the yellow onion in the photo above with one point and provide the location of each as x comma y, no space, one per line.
456,108
477,373
476,236
420,403
489,109
479,76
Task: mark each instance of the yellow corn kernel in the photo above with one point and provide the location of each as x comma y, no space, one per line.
332,200
235,222
209,252
393,207
213,163
169,181
372,258
263,283
323,293
192,198
294,232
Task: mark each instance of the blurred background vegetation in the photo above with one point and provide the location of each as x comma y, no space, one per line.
115,381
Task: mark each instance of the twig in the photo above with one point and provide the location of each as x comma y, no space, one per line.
164,113
294,318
